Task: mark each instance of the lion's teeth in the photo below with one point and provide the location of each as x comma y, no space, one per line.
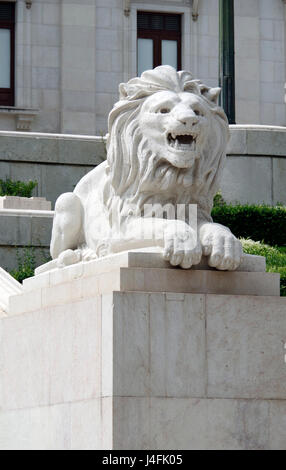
181,143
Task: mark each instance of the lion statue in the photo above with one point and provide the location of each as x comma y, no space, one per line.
166,146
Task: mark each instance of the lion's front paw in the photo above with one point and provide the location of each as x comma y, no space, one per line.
88,254
222,247
181,247
68,257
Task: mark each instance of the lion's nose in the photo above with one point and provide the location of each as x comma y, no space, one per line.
188,118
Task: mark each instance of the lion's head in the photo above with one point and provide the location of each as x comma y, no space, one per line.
167,140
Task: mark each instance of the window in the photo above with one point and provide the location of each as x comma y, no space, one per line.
158,40
7,40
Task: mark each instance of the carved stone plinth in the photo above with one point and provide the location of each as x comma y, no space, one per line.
125,353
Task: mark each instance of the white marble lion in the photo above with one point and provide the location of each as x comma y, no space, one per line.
166,145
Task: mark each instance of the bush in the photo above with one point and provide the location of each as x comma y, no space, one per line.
275,259
219,200
282,272
27,263
258,226
260,223
17,188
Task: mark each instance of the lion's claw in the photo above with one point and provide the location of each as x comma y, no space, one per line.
222,247
181,247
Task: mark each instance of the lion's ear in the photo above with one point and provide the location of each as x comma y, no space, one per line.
122,90
212,94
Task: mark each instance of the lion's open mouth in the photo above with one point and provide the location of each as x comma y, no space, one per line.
186,142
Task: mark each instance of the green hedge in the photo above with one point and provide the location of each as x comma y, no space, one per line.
260,223
275,259
27,263
17,188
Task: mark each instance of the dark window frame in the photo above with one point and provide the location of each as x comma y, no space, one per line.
160,34
7,95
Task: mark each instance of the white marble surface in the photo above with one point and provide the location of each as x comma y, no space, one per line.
245,345
192,424
174,424
8,287
141,258
124,272
145,363
55,356
129,370
75,426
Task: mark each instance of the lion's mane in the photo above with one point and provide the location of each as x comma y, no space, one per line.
135,175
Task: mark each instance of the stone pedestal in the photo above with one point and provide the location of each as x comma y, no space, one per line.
25,203
127,353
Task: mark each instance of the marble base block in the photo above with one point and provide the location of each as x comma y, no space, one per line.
25,203
89,360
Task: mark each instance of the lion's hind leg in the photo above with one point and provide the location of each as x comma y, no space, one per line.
67,225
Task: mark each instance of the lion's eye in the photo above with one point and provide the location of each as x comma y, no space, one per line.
198,112
164,110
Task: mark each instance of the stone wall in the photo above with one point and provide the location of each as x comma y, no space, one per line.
260,61
24,228
255,170
71,55
56,162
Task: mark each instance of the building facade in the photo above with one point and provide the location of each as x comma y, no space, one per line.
61,60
